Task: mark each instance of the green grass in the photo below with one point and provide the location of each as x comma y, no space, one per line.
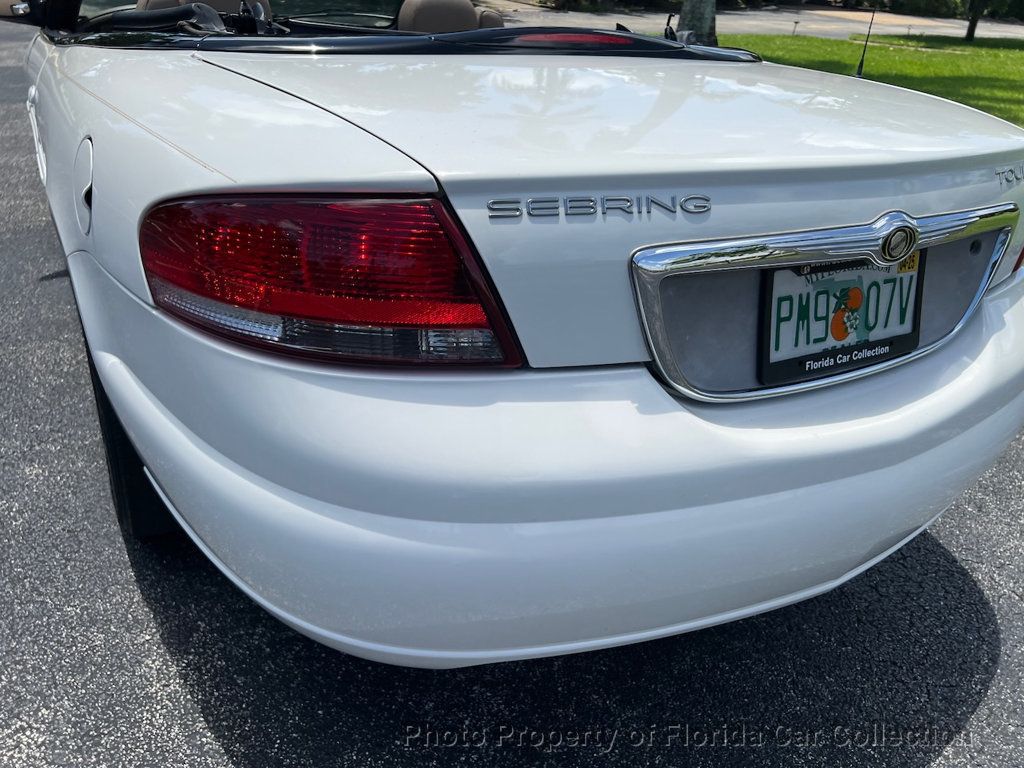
987,74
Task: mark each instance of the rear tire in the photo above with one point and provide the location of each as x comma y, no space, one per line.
141,512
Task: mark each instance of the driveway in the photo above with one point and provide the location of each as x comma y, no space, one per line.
813,21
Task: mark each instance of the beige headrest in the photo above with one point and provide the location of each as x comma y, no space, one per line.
489,18
436,16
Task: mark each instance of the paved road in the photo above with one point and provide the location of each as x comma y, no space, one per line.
813,21
839,23
116,655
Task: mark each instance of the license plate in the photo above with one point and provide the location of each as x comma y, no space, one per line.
825,319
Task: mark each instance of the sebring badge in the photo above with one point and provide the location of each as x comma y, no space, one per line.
898,244
620,205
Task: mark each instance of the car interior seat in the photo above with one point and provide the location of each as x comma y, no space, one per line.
438,16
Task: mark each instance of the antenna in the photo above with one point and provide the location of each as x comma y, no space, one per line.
867,37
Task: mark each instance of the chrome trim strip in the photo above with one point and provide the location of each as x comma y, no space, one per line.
652,264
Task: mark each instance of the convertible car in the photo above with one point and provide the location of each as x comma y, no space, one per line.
452,343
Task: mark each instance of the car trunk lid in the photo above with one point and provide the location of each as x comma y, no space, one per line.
772,149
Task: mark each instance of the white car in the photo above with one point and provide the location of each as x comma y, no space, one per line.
451,343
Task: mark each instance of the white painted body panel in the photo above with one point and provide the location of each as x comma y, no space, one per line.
775,148
508,119
443,520
196,128
450,518
165,124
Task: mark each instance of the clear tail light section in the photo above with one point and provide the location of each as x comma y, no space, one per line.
373,280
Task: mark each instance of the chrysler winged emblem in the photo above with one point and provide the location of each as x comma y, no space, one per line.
898,244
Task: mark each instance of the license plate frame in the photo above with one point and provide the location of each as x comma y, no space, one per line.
837,359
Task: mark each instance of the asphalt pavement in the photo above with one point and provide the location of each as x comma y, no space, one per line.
115,654
809,20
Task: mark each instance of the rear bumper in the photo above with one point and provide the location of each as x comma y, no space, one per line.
443,520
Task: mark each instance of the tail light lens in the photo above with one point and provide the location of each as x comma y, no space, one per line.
1020,261
573,38
389,281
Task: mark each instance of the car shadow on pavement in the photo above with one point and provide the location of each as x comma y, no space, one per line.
888,668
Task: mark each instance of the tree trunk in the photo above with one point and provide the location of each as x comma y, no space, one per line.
972,26
974,10
698,16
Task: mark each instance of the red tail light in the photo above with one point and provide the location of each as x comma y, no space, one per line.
364,280
1020,261
573,38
